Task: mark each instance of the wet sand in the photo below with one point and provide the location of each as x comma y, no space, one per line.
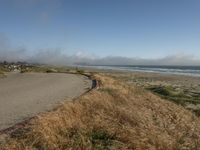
25,95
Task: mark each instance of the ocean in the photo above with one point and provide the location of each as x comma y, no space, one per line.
178,70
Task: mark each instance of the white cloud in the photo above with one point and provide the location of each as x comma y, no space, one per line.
58,57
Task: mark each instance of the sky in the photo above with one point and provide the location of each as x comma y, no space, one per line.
99,29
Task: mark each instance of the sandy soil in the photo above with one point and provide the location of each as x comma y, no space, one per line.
25,95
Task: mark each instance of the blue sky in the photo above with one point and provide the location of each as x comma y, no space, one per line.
128,28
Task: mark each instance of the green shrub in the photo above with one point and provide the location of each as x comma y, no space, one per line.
110,91
165,91
101,139
80,71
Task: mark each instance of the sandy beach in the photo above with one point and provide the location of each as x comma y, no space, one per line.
25,95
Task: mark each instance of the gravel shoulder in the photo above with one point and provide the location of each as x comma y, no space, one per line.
25,95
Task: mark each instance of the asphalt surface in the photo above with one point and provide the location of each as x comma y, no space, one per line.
25,95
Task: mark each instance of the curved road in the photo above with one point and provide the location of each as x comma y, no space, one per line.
25,95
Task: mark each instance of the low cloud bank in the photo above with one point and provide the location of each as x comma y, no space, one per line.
57,57
173,60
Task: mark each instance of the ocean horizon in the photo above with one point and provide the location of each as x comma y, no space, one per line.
177,70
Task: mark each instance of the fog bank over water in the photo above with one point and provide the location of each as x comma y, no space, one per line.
56,57
172,60
11,53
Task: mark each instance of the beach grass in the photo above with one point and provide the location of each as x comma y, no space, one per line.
178,97
115,115
185,93
2,72
45,69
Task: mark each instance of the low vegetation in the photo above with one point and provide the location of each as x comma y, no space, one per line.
80,71
2,72
36,69
177,97
45,69
184,91
113,116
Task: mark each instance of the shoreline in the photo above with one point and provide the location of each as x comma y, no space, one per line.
130,70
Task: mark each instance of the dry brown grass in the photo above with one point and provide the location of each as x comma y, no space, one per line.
1,72
115,116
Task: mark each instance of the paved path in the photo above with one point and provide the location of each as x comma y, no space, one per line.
25,95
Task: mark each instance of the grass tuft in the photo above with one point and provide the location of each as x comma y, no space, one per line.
1,72
101,139
80,71
109,91
168,93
